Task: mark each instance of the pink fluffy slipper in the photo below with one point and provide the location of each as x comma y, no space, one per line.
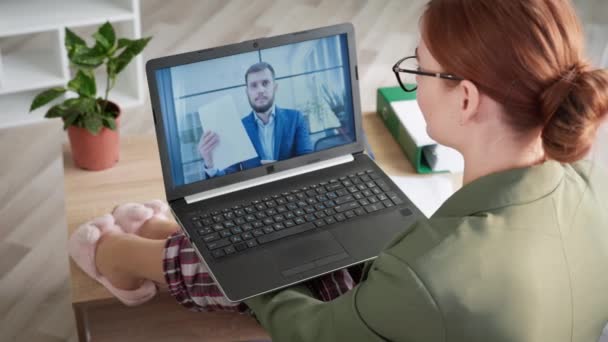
82,246
131,216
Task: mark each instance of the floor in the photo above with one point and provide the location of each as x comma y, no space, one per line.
34,288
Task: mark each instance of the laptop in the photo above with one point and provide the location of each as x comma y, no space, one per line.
263,160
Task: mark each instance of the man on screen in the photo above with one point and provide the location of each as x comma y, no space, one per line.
276,133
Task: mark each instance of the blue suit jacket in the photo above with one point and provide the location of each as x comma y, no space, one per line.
291,138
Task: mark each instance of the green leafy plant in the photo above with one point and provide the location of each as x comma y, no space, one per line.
87,110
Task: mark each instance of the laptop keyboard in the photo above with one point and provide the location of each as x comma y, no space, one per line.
249,225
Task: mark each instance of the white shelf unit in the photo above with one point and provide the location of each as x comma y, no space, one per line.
33,57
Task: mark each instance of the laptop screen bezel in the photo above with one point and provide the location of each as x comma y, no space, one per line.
176,192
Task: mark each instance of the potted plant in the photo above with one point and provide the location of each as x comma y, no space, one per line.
92,121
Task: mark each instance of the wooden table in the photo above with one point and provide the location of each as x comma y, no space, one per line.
136,178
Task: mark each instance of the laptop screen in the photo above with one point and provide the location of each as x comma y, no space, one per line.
243,111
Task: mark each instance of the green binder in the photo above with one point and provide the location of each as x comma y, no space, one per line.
398,129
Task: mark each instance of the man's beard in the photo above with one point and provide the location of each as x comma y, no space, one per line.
264,108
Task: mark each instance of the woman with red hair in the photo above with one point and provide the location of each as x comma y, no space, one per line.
518,254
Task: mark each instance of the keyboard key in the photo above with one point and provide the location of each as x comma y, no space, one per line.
218,218
236,230
330,220
268,229
247,236
334,187
260,215
383,185
340,217
394,197
239,221
329,212
360,211
247,226
229,224
260,206
251,243
344,199
258,224
235,238
350,214
300,220
290,223
258,232
240,246
285,232
345,207
278,226
211,237
205,231
218,253
225,233
218,244
229,250
374,207
388,203
319,223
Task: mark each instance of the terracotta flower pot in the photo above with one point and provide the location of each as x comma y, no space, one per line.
95,152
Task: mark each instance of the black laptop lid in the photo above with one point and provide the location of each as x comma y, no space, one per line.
255,108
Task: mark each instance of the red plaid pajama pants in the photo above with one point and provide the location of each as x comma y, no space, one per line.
191,284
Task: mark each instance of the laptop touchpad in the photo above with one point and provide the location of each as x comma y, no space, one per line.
307,252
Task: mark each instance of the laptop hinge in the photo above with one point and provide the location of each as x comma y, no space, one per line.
268,178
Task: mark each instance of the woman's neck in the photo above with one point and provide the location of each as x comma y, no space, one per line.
501,155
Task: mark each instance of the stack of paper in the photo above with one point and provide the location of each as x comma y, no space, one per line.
428,192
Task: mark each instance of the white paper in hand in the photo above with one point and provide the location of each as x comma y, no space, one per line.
222,118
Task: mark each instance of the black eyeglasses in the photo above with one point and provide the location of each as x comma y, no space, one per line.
409,85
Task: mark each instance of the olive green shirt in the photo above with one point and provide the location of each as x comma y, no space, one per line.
520,255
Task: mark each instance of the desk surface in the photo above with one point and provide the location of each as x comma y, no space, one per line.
137,177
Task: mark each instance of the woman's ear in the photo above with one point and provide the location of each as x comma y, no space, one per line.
469,101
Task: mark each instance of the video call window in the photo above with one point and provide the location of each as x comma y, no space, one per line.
303,88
